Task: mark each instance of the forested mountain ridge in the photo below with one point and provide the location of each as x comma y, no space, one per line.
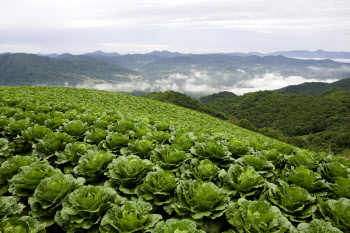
29,69
324,121
314,88
216,96
196,74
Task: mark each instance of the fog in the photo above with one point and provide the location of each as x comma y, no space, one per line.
199,84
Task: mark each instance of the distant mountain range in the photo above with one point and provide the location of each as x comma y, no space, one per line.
194,74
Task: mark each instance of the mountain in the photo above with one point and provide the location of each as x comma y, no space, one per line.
196,75
314,88
313,54
217,96
30,69
165,53
101,53
185,101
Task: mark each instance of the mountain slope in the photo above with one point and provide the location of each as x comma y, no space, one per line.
29,69
320,119
216,96
314,88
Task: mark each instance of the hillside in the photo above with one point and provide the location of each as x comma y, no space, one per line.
314,88
216,96
78,160
185,101
29,69
324,119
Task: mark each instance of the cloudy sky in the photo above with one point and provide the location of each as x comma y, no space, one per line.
197,26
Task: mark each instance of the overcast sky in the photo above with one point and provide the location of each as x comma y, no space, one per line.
197,26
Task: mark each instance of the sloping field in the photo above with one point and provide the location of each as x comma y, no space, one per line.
78,160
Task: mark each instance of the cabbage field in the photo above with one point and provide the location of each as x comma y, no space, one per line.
78,160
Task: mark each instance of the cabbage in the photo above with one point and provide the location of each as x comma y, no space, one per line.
199,199
93,164
316,226
337,212
158,186
127,172
85,207
295,202
256,216
49,194
177,226
131,217
23,224
244,181
28,178
169,157
9,206
204,170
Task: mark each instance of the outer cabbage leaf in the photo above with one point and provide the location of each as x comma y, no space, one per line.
199,199
242,180
24,224
317,226
127,172
295,202
200,169
9,206
28,178
93,164
49,194
177,226
85,207
131,217
337,212
307,179
213,151
256,216
158,186
169,157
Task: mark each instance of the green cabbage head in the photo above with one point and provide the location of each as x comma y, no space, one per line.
85,207
174,225
199,199
24,224
256,216
133,216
